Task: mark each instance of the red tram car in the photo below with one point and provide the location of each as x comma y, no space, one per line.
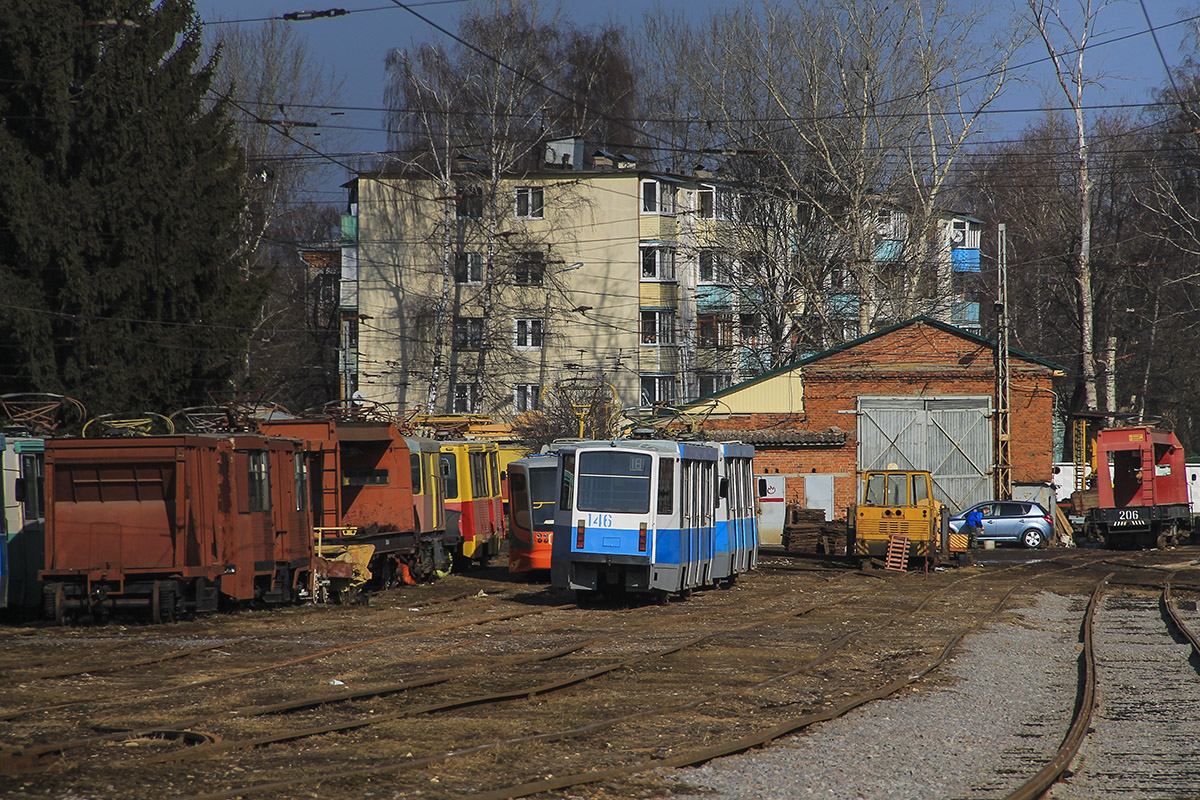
377,492
176,524
1142,489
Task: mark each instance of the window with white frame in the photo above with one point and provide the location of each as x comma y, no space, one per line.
658,327
527,334
469,203
526,397
658,263
529,268
468,268
468,333
658,197
658,389
466,398
529,202
713,268
713,202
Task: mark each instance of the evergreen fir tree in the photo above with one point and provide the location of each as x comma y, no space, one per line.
120,198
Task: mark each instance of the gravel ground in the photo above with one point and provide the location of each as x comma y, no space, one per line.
1144,742
932,744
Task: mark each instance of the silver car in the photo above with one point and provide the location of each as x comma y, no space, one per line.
1010,521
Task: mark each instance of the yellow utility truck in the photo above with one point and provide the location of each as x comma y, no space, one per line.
897,519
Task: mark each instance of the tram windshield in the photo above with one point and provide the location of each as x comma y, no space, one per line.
542,490
614,481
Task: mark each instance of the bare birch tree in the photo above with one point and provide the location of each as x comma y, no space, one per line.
1066,36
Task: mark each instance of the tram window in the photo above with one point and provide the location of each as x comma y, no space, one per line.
568,482
493,460
259,480
614,481
450,475
518,503
30,486
415,468
301,481
920,489
666,486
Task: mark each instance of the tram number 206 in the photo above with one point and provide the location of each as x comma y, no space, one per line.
1128,515
600,520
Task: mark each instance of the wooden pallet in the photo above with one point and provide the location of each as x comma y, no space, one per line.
897,553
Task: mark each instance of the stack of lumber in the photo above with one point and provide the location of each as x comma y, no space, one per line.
806,531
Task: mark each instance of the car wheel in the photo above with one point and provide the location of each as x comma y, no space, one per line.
1032,538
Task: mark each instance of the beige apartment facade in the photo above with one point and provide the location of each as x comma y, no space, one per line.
480,293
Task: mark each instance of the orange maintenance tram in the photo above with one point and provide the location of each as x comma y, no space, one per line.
532,492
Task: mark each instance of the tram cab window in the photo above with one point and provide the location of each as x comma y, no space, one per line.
666,486
450,475
518,489
415,467
614,481
568,482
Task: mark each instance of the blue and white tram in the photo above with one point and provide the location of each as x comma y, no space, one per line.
645,516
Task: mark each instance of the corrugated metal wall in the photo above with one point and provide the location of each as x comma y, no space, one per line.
949,436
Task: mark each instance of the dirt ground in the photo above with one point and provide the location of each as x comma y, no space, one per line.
483,681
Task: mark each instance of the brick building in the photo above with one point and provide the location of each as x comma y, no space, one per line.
919,394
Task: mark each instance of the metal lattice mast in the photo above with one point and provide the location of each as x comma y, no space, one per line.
1002,473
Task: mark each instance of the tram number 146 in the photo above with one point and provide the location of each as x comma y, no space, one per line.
599,520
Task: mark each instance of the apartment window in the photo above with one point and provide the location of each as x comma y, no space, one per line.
468,333
714,330
525,397
469,203
466,398
658,389
707,202
528,334
468,268
529,202
712,266
529,268
658,263
658,327
749,324
711,384
658,197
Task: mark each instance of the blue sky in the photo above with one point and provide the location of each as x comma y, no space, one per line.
354,46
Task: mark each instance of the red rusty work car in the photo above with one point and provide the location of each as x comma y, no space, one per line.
378,492
1142,489
176,524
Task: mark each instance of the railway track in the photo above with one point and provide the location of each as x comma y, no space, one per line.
595,696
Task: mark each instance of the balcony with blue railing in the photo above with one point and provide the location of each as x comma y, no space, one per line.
965,315
964,259
710,297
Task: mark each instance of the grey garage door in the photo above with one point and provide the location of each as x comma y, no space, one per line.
949,436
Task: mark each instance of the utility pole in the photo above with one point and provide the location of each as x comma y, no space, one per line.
1002,452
